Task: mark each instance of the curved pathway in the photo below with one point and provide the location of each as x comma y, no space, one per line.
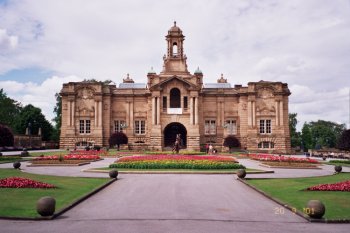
167,203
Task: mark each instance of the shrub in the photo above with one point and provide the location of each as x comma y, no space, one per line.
344,140
231,142
118,138
6,136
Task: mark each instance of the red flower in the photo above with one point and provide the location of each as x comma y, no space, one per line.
19,182
341,186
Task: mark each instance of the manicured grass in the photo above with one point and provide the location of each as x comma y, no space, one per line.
344,163
291,192
9,159
22,202
37,154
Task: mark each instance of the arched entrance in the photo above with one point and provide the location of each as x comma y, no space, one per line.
170,132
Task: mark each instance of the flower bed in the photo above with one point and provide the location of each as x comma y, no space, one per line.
340,186
170,153
282,158
176,162
70,157
18,182
62,162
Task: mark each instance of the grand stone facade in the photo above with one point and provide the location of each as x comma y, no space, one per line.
176,101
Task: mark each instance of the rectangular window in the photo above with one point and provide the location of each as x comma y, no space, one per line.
231,127
210,127
87,126
81,126
119,125
185,102
84,126
165,103
265,126
140,127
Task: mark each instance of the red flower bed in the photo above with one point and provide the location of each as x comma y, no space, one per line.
19,182
282,158
71,157
341,186
176,157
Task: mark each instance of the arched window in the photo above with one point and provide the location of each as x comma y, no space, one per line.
175,50
175,98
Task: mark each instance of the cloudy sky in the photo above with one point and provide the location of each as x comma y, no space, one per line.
305,43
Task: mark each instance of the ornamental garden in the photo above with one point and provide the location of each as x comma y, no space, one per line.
304,196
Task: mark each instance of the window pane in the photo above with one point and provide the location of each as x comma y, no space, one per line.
185,102
165,102
268,126
212,127
262,126
81,126
142,131
206,127
87,126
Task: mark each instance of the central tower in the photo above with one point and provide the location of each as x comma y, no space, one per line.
175,60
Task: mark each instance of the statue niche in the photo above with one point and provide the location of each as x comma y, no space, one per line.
85,103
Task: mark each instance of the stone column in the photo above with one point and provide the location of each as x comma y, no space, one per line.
276,113
69,113
96,113
196,110
249,113
131,113
281,112
253,111
100,113
191,110
222,113
73,113
158,110
153,110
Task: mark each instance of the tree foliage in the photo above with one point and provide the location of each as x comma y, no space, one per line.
57,119
344,140
33,118
295,136
9,110
118,138
231,142
321,134
6,136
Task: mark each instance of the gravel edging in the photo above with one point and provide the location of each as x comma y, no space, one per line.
57,214
301,214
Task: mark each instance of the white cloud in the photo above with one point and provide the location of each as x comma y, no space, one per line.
40,95
7,41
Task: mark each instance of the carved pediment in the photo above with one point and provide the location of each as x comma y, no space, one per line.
187,84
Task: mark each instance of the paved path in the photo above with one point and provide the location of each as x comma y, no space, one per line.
175,203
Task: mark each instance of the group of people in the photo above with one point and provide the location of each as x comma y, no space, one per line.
210,149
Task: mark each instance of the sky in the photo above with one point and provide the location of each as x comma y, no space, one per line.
305,43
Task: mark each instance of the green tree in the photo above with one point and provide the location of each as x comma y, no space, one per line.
325,133
295,136
344,140
9,110
306,137
33,117
118,138
57,119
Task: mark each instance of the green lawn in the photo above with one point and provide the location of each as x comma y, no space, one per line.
344,163
22,202
9,159
291,192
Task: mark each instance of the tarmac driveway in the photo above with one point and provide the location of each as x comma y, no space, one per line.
175,203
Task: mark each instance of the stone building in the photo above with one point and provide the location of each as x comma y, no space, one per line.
176,102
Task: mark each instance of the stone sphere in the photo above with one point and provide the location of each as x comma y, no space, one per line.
113,173
338,168
24,153
241,173
45,206
315,209
16,165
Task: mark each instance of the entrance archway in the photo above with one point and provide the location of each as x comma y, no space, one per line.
170,132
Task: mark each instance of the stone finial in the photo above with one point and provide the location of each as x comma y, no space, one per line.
222,79
128,79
